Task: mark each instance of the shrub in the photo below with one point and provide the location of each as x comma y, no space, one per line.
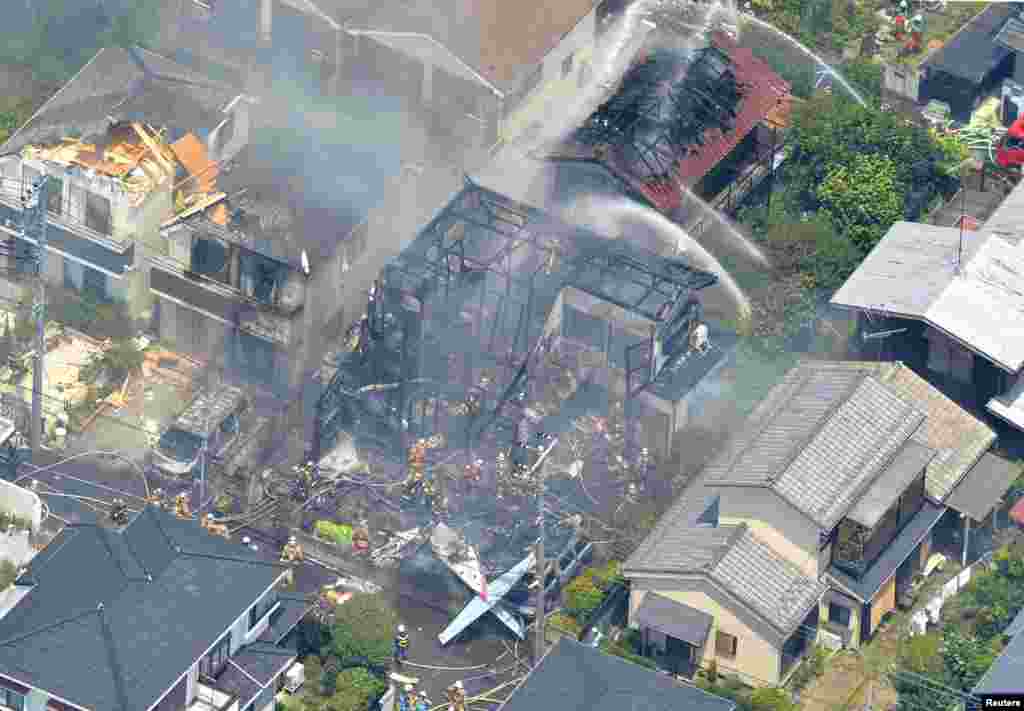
8,573
583,595
811,668
334,532
363,630
770,698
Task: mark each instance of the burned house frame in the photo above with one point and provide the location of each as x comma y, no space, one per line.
464,331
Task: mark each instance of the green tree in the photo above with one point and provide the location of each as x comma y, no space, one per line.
921,656
966,659
866,76
862,200
828,133
363,630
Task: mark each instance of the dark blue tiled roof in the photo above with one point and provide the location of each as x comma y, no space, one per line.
973,52
576,677
114,619
897,552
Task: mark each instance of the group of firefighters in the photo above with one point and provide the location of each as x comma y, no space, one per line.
410,699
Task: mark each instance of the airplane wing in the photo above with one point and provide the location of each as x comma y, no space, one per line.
472,612
510,619
478,606
507,580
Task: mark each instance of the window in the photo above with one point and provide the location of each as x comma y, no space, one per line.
584,76
55,198
73,274
567,66
213,663
94,283
97,213
12,700
261,608
725,645
838,615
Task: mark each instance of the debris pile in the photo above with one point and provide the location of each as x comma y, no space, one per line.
139,159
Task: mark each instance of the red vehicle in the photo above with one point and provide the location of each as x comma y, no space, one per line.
1010,153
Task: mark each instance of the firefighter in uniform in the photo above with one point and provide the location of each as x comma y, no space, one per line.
181,506
406,698
361,537
401,645
292,551
457,697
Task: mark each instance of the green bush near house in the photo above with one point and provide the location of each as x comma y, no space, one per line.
363,630
771,698
587,591
8,574
810,668
338,533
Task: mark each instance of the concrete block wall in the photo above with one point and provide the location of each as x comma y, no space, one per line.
21,502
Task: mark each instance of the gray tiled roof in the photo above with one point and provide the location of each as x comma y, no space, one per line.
98,632
736,560
576,677
113,84
818,439
770,585
675,546
858,441
781,424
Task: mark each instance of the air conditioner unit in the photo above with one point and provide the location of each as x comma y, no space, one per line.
294,677
830,640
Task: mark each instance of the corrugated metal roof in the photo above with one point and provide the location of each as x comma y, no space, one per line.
1012,35
912,272
764,91
673,618
208,409
973,52
1004,676
891,483
979,492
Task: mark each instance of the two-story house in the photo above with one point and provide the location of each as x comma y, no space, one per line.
109,190
158,615
228,239
485,71
954,297
828,494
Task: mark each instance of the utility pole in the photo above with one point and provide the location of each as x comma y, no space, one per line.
538,640
33,227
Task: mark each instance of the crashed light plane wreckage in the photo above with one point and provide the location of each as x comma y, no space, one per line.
490,600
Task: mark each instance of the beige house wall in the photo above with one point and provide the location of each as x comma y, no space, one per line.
776,523
758,650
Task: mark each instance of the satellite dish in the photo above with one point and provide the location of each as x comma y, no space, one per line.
305,263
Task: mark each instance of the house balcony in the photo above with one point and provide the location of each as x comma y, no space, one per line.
69,238
218,301
209,698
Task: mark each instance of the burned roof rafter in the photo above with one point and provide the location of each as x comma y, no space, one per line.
664,106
